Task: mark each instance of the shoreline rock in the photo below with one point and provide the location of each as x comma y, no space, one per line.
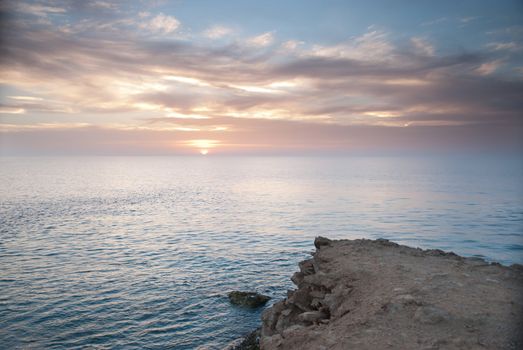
248,299
250,342
376,294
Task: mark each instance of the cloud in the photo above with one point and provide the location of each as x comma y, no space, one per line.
468,19
25,98
504,46
488,67
422,46
291,45
218,31
435,21
162,24
149,77
107,71
261,136
104,5
371,46
261,40
38,9
11,110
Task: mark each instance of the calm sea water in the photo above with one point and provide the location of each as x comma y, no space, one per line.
139,253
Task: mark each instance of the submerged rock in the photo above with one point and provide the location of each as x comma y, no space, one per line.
248,299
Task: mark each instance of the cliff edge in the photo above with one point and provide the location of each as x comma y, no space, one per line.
366,294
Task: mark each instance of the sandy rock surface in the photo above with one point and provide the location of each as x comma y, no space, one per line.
365,294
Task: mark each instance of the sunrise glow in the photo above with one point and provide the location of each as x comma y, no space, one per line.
174,77
166,166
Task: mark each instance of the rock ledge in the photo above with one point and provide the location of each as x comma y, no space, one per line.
375,294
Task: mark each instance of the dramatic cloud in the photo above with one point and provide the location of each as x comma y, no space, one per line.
93,68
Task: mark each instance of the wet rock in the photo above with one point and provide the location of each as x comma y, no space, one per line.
248,299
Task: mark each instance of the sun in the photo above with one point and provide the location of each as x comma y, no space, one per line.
203,145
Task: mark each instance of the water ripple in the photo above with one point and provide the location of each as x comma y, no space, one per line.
142,254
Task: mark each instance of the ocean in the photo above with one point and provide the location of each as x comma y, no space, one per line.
140,252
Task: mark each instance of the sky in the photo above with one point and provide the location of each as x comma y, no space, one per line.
261,77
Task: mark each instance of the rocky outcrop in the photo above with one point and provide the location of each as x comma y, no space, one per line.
248,299
364,294
249,342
